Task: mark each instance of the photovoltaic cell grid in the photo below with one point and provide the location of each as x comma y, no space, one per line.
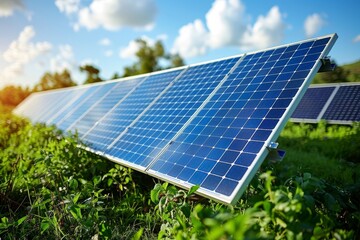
67,123
208,124
31,104
71,106
40,103
60,103
223,142
337,103
169,113
312,103
93,116
345,105
116,121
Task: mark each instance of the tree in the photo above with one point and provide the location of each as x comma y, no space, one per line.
150,59
11,96
339,74
92,74
115,76
176,60
54,80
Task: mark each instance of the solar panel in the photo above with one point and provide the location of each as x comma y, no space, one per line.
337,103
121,115
312,104
40,103
209,124
71,118
225,142
69,108
345,106
61,102
152,131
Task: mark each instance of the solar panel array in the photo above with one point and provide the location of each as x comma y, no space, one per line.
208,124
337,103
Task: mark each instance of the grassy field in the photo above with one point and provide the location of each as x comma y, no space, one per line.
51,189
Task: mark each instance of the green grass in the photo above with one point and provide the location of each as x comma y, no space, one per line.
330,152
354,69
51,189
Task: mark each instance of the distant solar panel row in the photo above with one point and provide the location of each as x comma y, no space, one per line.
337,103
207,124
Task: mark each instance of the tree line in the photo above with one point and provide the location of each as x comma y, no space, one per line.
148,59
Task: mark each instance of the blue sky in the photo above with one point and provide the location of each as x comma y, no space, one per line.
40,36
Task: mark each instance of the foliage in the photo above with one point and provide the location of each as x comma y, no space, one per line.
345,73
304,207
150,59
52,189
92,73
115,76
11,96
341,142
354,69
54,81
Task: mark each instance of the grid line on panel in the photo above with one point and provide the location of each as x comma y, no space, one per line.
345,106
196,112
224,141
126,112
69,122
66,111
47,102
164,90
103,107
328,102
313,103
63,103
24,109
21,107
141,143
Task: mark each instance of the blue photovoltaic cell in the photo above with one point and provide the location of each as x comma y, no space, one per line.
345,105
71,106
61,103
313,102
208,124
30,106
227,136
116,121
42,104
68,122
154,129
103,106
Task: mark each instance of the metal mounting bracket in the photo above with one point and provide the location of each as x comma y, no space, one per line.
327,65
275,154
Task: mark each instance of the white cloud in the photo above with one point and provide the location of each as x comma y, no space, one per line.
267,31
115,14
227,25
133,46
192,40
108,53
22,52
7,7
63,60
357,38
105,42
68,6
225,22
313,24
130,50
